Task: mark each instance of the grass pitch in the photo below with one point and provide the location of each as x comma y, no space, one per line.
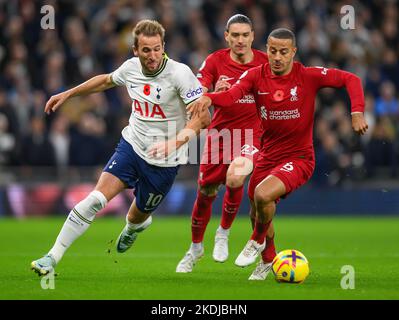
147,271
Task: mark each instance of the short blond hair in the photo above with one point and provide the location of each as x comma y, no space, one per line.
148,28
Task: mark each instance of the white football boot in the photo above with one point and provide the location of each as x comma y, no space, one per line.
43,265
127,237
221,248
249,254
189,260
261,271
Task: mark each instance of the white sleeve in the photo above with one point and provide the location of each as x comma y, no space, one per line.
119,75
188,86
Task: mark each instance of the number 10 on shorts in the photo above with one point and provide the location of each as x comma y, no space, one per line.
153,200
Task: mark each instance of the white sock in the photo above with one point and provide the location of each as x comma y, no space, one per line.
137,227
196,246
222,231
78,221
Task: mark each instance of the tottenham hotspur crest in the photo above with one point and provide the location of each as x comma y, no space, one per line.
293,92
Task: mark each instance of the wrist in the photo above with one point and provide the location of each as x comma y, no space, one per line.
70,93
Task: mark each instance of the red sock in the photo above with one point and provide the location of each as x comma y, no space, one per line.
231,203
200,216
260,231
270,251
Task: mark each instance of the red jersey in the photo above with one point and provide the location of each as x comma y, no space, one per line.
286,105
219,64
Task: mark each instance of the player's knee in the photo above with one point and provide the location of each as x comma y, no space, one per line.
90,205
235,181
240,168
210,190
262,197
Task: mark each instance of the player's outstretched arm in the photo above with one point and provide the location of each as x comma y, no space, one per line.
323,77
96,84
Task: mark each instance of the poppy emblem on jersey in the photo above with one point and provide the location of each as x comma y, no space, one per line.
278,95
147,90
158,91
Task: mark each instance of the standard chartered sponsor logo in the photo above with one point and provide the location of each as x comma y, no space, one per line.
249,98
284,114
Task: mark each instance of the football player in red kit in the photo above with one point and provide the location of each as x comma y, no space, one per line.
285,93
232,142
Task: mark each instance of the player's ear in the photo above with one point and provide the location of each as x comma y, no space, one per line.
135,51
226,34
294,49
252,35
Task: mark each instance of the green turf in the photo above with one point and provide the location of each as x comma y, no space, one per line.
147,271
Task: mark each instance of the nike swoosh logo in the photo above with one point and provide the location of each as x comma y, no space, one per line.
260,93
132,87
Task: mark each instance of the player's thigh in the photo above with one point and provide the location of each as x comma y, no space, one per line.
269,189
121,170
109,185
259,173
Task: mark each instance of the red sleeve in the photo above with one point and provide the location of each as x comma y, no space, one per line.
242,87
323,77
206,72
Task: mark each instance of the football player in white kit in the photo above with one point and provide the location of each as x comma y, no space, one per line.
152,146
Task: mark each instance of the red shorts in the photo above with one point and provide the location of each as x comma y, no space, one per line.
292,172
214,165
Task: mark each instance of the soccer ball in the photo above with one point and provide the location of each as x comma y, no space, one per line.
290,266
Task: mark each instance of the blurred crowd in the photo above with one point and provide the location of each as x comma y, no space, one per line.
93,37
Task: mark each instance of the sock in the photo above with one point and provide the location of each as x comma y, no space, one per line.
260,230
196,247
269,252
137,227
78,221
223,231
200,216
231,203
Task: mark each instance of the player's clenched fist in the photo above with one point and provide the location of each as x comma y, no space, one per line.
55,102
359,124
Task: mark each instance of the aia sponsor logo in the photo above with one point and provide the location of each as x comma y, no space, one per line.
148,110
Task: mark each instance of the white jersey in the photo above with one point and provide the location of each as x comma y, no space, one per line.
158,106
